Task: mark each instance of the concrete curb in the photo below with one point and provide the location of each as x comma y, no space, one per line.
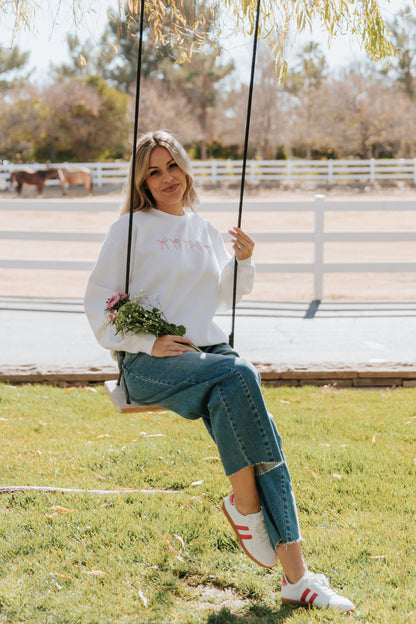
358,376
337,374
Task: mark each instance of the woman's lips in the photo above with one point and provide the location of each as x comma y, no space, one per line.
171,188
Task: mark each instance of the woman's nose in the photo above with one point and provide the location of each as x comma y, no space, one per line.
167,175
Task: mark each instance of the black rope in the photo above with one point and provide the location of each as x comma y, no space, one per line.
243,172
121,354
133,160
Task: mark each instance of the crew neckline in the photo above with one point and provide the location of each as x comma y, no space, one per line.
169,215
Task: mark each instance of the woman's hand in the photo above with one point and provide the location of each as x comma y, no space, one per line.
243,245
167,346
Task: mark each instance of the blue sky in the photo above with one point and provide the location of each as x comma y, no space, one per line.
46,43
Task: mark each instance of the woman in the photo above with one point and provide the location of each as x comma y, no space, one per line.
179,259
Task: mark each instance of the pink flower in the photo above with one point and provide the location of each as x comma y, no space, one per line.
112,315
113,301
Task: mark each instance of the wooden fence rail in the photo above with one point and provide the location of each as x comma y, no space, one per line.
271,172
318,236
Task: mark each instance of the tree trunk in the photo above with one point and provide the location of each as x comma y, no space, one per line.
52,151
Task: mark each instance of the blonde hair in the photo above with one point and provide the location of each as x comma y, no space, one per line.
142,198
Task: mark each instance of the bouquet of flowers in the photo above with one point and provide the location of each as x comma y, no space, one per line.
140,316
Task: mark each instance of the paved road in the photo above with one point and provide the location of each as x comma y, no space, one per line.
52,334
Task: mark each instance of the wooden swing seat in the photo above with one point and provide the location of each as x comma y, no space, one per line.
118,397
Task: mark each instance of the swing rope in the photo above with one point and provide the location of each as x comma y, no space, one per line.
243,171
121,354
135,132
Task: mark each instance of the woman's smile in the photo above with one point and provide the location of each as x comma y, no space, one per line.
171,188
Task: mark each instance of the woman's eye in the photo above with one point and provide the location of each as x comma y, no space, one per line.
153,172
172,165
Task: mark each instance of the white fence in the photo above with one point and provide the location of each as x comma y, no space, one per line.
318,236
272,172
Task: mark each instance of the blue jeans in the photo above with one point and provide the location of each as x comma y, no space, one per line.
224,390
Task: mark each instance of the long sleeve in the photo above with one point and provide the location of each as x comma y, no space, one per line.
108,279
245,274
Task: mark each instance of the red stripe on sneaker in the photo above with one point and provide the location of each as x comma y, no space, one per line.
312,598
243,528
305,595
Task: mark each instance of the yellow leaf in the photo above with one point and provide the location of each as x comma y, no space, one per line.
62,510
188,502
63,576
311,471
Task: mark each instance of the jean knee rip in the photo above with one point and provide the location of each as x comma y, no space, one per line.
263,467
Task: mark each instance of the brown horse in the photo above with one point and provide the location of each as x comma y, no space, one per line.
34,177
74,176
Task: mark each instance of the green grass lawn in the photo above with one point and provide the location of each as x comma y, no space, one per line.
170,557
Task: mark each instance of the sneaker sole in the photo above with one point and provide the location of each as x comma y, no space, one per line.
295,604
240,541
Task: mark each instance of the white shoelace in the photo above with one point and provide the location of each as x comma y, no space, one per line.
260,527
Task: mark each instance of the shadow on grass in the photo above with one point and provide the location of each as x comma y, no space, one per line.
256,614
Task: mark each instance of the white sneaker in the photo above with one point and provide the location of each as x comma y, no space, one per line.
252,534
313,590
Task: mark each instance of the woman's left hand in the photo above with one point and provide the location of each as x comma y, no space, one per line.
243,245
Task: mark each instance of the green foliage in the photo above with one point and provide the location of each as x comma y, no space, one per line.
122,31
161,557
12,61
71,120
169,20
281,153
111,131
308,70
139,316
361,18
403,66
216,150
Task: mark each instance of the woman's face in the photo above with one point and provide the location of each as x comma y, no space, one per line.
166,181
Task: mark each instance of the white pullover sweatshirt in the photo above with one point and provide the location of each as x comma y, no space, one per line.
180,263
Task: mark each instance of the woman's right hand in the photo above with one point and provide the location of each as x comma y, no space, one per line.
167,346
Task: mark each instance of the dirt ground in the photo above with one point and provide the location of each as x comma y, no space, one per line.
269,286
